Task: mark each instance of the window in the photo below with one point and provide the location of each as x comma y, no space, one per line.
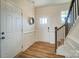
63,16
43,20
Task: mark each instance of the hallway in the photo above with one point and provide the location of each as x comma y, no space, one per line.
40,50
33,28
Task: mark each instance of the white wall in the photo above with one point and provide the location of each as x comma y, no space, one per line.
54,13
28,30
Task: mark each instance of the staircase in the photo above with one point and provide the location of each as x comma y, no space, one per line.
71,43
70,48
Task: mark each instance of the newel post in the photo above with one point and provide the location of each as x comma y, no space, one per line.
55,39
66,27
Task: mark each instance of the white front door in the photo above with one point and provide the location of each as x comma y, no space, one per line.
10,29
46,32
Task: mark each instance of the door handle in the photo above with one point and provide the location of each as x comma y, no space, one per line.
3,33
48,29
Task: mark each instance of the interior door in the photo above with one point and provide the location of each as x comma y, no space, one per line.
10,29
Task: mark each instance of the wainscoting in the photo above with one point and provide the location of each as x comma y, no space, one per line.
28,40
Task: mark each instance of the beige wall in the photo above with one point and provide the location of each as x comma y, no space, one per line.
28,30
54,13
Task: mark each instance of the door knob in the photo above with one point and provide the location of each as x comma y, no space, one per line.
2,38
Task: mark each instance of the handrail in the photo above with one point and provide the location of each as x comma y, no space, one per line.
66,22
60,27
70,8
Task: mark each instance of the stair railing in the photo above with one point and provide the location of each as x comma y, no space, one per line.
70,20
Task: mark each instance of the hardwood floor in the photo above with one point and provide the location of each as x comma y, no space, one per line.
39,50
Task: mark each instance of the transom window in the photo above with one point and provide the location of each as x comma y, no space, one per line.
43,20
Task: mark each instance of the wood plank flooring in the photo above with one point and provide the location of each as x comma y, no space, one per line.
39,50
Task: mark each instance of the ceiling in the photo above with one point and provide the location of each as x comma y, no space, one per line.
48,2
